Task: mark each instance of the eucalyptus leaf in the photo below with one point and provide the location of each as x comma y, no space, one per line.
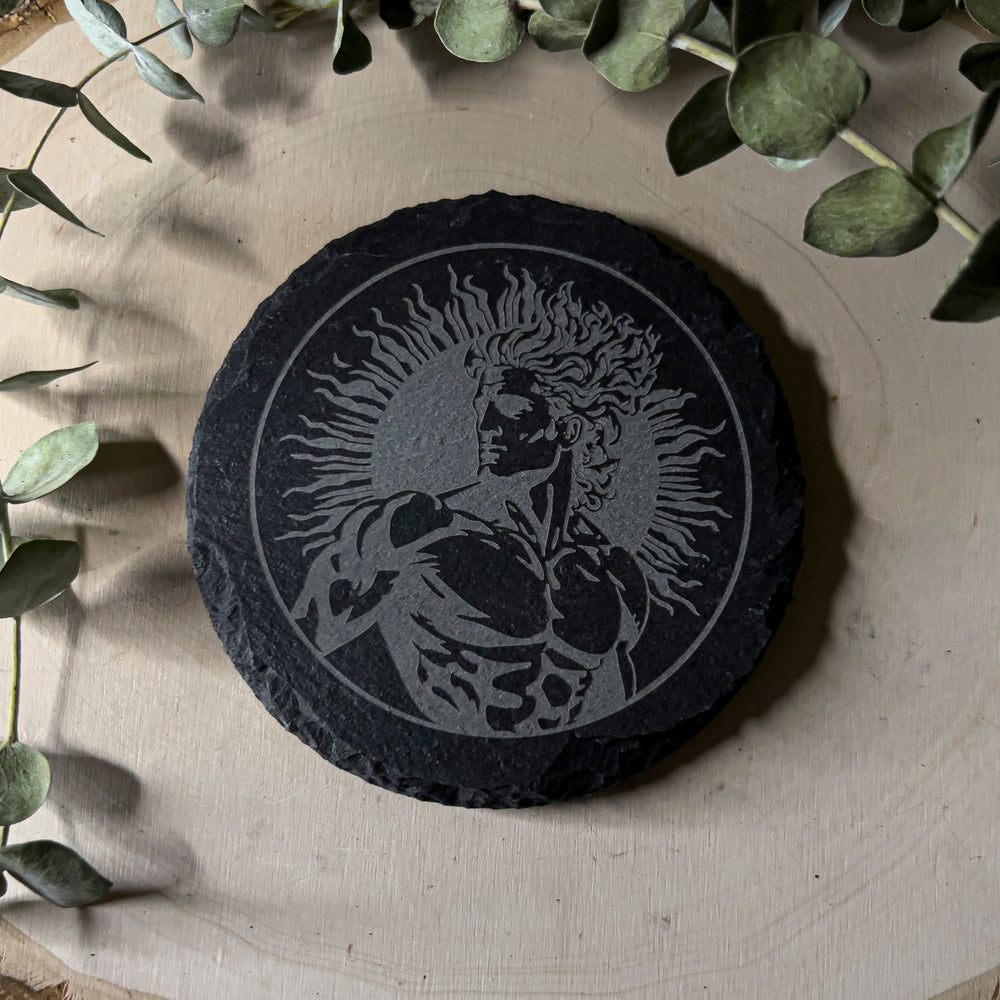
20,201
35,380
981,65
102,24
256,21
34,89
28,184
351,49
54,871
213,22
54,298
714,28
985,13
399,14
695,11
875,213
24,782
50,462
907,15
628,41
974,293
790,96
755,19
162,78
167,12
700,132
37,572
831,13
108,130
554,35
941,156
479,30
570,10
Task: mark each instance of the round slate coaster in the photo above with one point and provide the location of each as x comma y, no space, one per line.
495,501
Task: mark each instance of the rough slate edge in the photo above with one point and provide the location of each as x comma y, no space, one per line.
603,761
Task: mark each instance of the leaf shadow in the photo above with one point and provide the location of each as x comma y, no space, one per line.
203,142
830,513
83,782
206,238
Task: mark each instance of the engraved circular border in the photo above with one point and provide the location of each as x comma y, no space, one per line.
463,248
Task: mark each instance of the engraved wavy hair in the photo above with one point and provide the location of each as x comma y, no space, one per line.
588,361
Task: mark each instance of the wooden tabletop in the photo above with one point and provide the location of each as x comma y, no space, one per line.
834,833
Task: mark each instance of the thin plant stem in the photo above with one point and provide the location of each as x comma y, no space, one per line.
15,664
942,209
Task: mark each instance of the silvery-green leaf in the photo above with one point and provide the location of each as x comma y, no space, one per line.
24,782
30,87
20,201
30,185
161,77
37,572
941,156
755,19
695,11
875,213
55,298
570,10
787,165
831,13
981,65
102,24
907,15
628,41
399,14
985,13
555,35
50,462
714,28
351,49
479,30
256,21
54,871
974,293
213,22
167,12
700,132
789,96
35,380
108,130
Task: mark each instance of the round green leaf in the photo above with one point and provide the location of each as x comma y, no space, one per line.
34,380
981,65
876,213
162,78
974,293
24,782
351,49
985,13
713,28
37,572
570,10
554,35
30,87
102,24
700,133
907,15
629,41
57,298
57,873
754,19
50,462
941,156
398,14
789,96
831,13
213,22
479,30
167,12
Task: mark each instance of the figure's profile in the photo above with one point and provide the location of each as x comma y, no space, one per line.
504,607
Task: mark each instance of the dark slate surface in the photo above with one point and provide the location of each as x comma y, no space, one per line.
526,578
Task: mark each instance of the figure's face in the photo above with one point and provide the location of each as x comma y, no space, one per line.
516,428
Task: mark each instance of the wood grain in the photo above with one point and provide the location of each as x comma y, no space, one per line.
833,834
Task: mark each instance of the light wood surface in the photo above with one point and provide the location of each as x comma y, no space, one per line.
834,834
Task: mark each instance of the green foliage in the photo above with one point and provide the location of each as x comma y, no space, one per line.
981,65
555,35
479,30
35,380
55,872
907,15
55,298
701,133
831,13
108,130
6,191
985,13
974,294
30,87
351,49
756,19
789,96
162,78
876,213
26,183
37,572
213,22
24,782
167,13
49,463
102,24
